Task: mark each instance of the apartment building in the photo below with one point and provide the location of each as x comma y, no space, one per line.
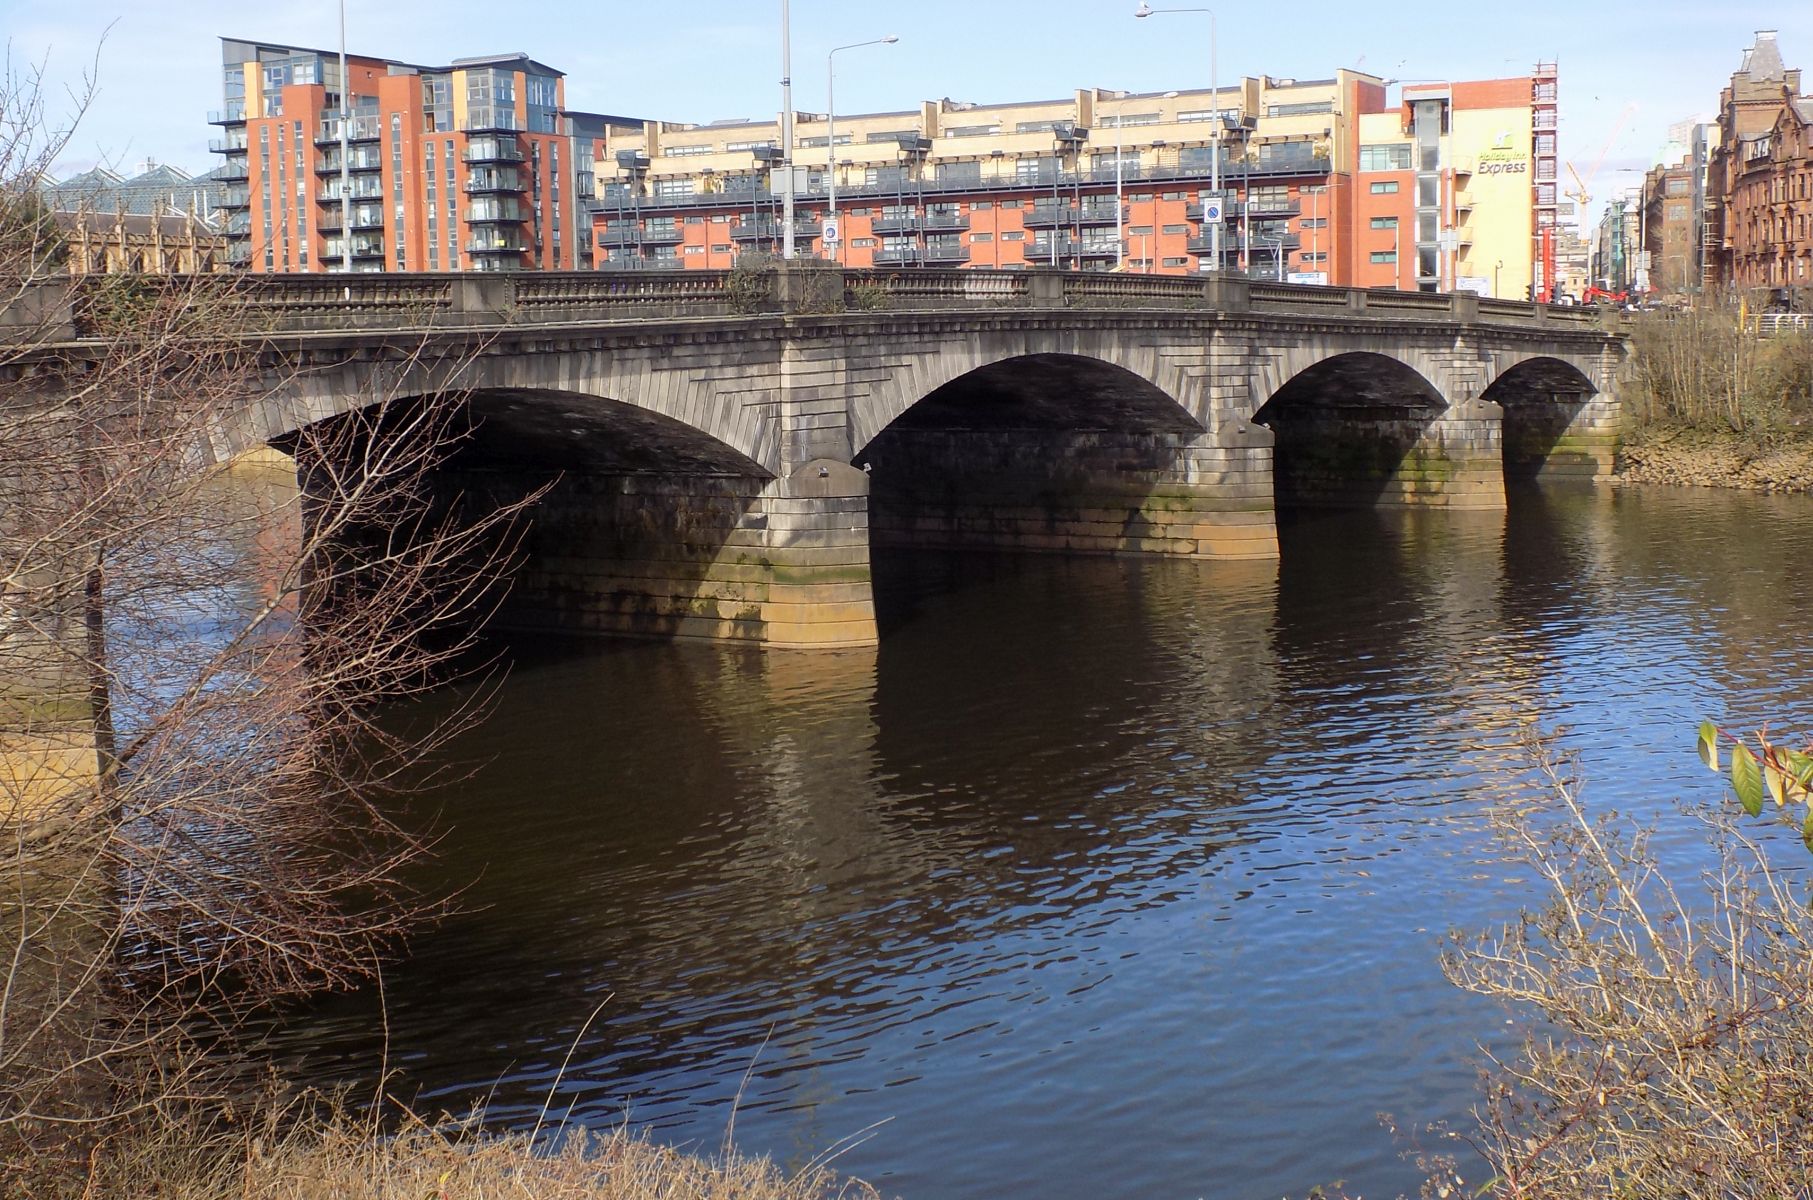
1320,181
475,166
1759,179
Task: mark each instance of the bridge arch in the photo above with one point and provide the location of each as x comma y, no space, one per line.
1110,356
1552,406
1361,428
653,378
1056,452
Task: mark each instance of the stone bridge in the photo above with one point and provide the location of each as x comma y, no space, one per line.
728,447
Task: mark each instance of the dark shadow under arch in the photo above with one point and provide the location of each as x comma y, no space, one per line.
1347,429
1541,398
1041,453
638,519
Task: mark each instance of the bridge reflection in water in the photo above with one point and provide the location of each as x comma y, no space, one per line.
1096,874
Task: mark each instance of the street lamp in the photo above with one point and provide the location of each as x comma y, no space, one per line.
786,131
831,128
1146,10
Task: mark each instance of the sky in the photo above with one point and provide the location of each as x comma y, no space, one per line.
1626,71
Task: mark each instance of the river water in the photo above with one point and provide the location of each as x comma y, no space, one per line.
1098,877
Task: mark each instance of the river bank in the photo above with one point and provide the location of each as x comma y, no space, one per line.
1699,458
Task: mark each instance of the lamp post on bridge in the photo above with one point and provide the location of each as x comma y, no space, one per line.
1215,123
831,132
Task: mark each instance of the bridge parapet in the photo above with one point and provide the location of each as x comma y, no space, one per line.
376,302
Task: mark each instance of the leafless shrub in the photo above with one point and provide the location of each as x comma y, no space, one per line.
1705,368
1673,1055
194,800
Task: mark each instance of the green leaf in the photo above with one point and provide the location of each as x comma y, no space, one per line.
1800,768
1747,779
1774,781
1709,745
1806,830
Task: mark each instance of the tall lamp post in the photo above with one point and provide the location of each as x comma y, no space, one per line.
786,132
1146,10
346,187
837,252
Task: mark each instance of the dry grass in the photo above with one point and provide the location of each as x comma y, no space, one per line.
342,1158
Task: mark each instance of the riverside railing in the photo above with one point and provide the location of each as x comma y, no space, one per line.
377,302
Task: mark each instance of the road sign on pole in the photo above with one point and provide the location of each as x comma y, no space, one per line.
829,231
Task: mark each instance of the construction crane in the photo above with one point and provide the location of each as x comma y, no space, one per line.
1582,193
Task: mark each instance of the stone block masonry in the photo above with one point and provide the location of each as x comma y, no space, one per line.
1053,491
780,563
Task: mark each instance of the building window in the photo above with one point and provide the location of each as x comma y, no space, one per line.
689,151
1176,262
972,131
862,243
980,238
1177,229
1384,222
674,187
1387,157
1314,223
1386,187
1384,256
1305,109
1014,235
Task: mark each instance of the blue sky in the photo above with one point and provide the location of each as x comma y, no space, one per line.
697,60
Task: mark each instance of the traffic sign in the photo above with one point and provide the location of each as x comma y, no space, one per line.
1211,212
829,231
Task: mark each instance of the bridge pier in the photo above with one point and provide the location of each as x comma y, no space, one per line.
779,563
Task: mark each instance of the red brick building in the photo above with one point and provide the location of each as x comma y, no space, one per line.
1760,177
474,166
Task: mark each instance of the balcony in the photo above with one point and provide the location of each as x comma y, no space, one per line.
490,120
635,262
236,198
1262,243
1039,250
364,129
492,150
933,254
228,145
366,247
919,222
1045,215
481,181
236,169
504,211
1262,209
620,233
364,187
239,254
364,159
765,230
364,216
233,114
944,252
495,245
